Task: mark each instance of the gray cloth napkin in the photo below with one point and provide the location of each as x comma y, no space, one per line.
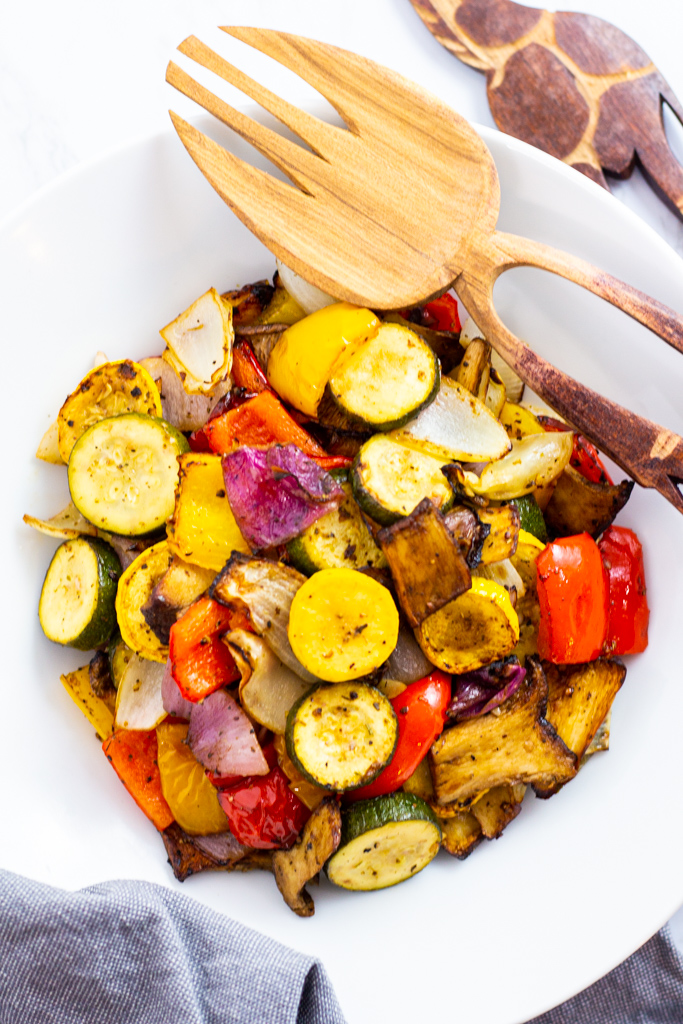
136,953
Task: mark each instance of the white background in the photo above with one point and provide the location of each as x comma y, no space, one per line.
79,78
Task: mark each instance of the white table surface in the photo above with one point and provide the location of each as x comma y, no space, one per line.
78,79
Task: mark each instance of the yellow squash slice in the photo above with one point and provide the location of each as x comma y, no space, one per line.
475,629
342,624
135,589
109,390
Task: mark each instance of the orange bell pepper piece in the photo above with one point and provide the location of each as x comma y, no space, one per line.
133,756
261,420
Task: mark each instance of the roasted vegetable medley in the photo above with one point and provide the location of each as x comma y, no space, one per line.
347,597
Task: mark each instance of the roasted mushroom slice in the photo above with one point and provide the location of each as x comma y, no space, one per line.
468,531
460,834
425,562
581,506
475,368
316,844
515,745
497,808
579,698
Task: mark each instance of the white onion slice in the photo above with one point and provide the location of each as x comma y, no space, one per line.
139,704
268,688
307,295
200,343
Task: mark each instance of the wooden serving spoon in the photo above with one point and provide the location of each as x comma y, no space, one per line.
401,205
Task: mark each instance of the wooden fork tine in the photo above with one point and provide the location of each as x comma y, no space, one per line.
264,204
302,56
297,163
321,137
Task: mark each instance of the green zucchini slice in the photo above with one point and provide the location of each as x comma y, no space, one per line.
390,480
384,841
77,602
531,518
388,380
338,540
123,473
341,736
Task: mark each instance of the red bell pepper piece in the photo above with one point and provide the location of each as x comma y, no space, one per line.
133,756
246,369
261,420
443,312
573,599
263,812
629,614
200,661
585,457
421,714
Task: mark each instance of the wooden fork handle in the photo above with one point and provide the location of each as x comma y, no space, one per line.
651,454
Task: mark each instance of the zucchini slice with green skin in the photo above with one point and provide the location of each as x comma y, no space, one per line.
384,841
341,736
531,518
123,473
388,380
390,480
77,602
339,539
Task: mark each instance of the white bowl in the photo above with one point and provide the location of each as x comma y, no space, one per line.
103,259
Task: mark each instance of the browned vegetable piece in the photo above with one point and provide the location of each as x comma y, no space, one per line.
444,344
101,682
474,369
420,782
468,531
294,868
249,302
497,808
579,698
460,834
501,540
128,548
178,588
601,739
425,562
189,855
262,337
578,505
516,745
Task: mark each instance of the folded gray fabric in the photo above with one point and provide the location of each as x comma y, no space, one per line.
646,989
136,953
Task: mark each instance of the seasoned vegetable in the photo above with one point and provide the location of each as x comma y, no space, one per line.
202,529
574,600
461,834
135,588
133,756
263,812
384,841
306,355
534,461
516,745
96,710
531,518
68,524
223,739
390,480
261,420
200,343
77,600
268,689
579,699
316,844
579,506
386,380
339,539
139,702
341,736
474,368
476,628
425,561
180,585
342,624
627,621
456,425
123,473
191,797
497,808
501,540
200,661
277,492
109,390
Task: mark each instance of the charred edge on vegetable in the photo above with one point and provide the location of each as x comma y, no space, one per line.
187,859
578,505
469,533
101,682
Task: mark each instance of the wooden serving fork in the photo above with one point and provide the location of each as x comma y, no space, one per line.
401,205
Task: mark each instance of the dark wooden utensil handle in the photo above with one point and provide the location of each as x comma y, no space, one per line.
651,454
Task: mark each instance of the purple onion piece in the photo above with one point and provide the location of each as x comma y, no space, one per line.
221,847
222,738
478,692
276,493
171,697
